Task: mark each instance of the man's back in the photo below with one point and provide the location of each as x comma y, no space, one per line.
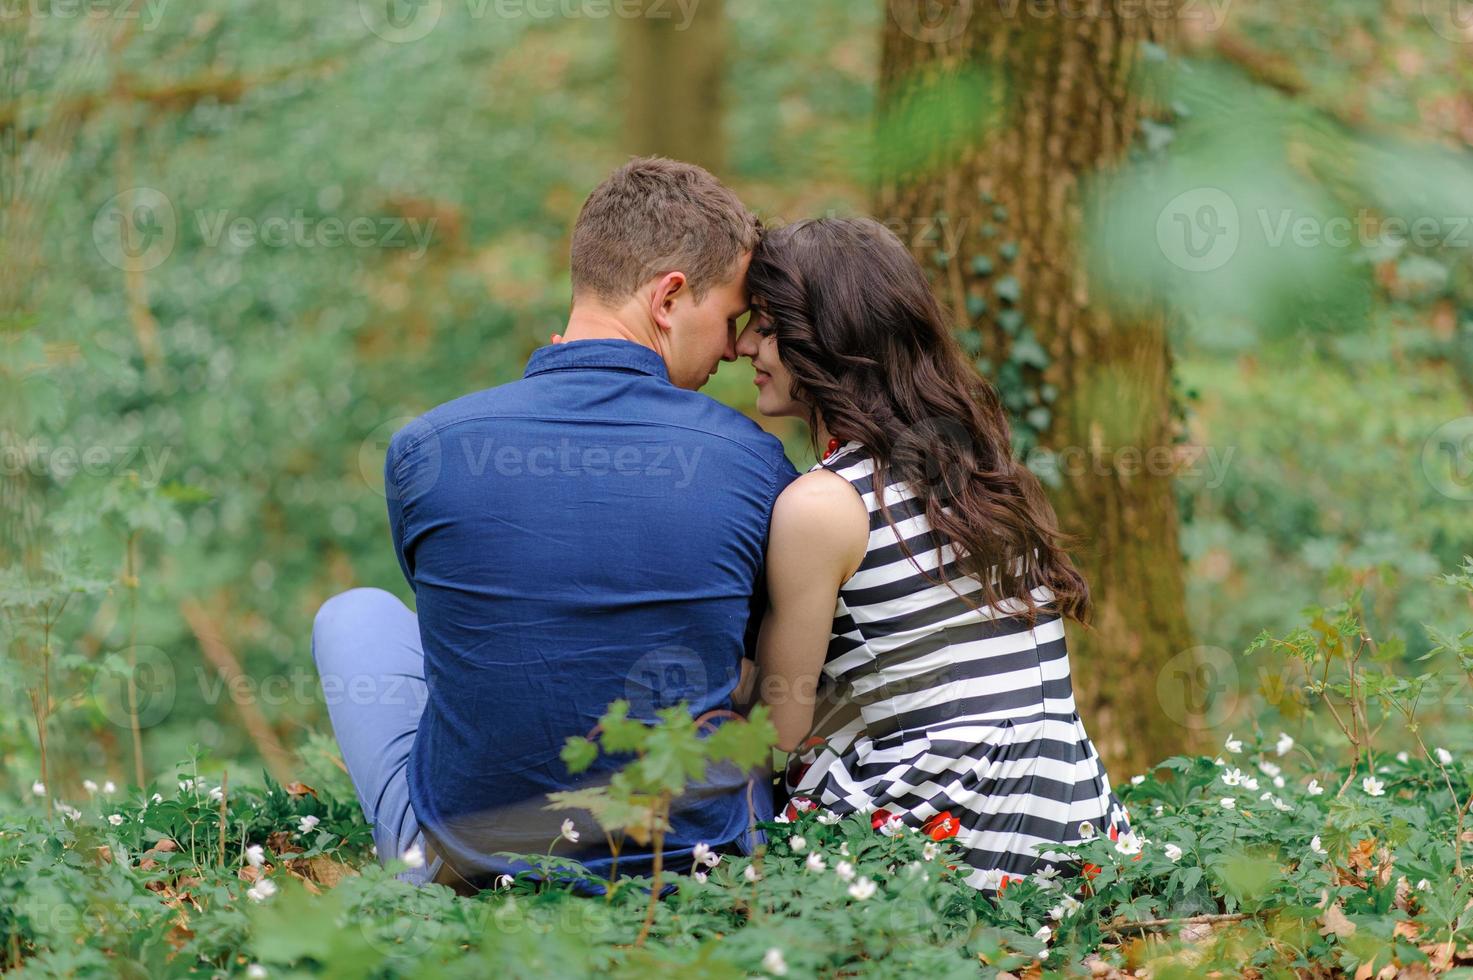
588,533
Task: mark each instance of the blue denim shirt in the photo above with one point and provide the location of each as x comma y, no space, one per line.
588,533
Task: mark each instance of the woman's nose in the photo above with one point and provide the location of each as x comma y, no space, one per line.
746,345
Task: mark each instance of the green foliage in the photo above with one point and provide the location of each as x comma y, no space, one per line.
1269,856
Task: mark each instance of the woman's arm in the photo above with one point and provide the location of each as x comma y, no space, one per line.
820,528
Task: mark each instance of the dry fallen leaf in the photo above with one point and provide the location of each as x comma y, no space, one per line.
299,789
1336,922
1439,955
330,872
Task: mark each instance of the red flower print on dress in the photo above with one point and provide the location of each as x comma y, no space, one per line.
797,805
942,826
879,818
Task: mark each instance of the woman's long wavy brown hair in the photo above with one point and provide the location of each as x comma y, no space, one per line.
871,354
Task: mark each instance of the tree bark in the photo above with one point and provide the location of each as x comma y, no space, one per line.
673,69
993,210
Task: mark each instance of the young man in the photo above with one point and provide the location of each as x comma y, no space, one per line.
594,531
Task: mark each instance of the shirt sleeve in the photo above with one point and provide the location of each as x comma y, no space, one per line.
785,474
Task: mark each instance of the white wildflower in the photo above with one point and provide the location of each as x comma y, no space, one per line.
1228,803
261,890
505,881
1284,744
255,855
1044,933
108,787
1314,788
1314,845
815,862
217,794
699,876
861,889
89,785
115,819
1173,853
414,857
991,878
256,971
38,788
1403,758
774,963
1067,906
929,851
1086,829
827,818
567,833
1443,755
1233,777
1232,744
1128,844
1423,884
1250,784
1373,786
1134,781
306,824
797,844
844,870
1269,769
751,873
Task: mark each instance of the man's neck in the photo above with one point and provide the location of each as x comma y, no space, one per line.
588,322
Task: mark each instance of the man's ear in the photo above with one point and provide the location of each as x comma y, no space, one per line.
668,289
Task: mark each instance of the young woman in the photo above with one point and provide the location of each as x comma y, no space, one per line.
915,574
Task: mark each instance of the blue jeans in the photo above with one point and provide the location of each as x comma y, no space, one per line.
367,649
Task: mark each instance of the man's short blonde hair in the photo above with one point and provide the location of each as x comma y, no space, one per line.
653,216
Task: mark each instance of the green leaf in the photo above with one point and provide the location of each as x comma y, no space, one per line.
578,753
1007,289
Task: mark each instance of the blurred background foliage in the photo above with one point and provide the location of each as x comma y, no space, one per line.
236,396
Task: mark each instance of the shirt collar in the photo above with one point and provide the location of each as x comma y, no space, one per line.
616,354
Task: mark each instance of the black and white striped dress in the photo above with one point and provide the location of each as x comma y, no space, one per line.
954,709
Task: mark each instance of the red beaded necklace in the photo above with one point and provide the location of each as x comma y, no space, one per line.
833,448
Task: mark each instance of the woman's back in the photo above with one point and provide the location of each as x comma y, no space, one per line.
960,709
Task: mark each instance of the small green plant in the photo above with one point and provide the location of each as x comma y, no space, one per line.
669,756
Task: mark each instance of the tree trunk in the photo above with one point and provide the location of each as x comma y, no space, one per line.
993,116
673,67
